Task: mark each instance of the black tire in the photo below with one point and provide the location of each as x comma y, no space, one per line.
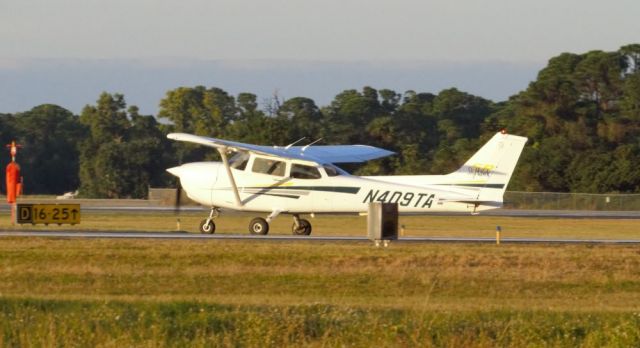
304,228
259,226
207,228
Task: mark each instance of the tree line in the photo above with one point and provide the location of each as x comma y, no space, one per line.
581,114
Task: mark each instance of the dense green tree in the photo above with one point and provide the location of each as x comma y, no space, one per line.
630,104
390,100
107,122
631,53
302,117
219,110
416,135
200,111
247,103
49,160
183,106
349,113
124,153
149,150
459,114
250,124
581,115
7,129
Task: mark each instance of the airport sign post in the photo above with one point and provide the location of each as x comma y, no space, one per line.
48,214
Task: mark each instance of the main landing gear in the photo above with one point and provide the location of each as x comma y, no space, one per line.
301,227
258,226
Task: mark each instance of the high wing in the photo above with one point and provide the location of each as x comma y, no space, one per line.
321,154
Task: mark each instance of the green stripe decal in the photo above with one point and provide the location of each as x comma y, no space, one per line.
340,189
276,195
495,186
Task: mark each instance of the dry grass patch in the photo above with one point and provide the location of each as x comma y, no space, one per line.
66,292
355,273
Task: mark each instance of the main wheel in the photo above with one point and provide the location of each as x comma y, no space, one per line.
259,226
304,228
207,227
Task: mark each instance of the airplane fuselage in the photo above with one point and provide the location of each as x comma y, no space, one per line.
208,184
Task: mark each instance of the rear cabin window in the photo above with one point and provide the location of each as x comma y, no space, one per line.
299,171
268,166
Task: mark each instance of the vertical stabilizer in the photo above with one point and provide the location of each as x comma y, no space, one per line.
491,167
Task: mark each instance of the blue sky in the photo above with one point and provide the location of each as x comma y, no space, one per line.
68,51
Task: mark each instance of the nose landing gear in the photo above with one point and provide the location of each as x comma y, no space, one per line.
207,225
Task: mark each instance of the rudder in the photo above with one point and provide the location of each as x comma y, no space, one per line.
492,166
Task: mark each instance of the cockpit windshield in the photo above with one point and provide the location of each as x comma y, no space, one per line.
239,160
333,170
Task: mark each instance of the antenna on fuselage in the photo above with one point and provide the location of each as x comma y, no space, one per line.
313,142
295,142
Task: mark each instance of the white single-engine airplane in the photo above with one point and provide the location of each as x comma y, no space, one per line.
304,180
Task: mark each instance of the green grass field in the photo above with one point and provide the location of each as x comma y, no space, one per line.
113,293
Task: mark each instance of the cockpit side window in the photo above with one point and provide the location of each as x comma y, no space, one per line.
300,171
239,160
269,166
331,170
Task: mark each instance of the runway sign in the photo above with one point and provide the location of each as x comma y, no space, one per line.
48,214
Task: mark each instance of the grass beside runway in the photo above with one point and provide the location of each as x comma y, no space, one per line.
240,293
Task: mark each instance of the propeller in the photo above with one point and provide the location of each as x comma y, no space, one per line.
176,207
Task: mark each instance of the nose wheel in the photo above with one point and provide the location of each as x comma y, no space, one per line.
207,225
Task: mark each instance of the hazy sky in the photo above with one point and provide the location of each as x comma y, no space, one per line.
160,33
512,30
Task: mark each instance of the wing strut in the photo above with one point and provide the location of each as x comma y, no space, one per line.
225,161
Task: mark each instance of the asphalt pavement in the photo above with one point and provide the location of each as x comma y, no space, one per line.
286,238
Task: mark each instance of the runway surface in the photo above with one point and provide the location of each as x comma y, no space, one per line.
285,238
143,206
563,214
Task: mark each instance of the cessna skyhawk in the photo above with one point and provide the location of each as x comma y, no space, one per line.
299,180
